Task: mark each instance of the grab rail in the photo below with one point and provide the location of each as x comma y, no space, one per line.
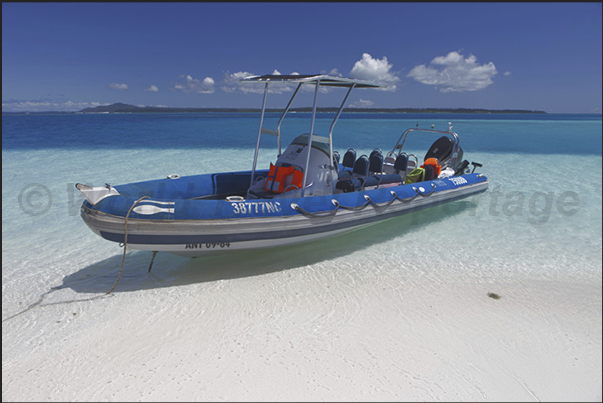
369,201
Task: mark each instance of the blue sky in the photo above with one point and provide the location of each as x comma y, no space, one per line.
536,56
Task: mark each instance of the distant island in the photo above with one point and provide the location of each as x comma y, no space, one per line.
125,108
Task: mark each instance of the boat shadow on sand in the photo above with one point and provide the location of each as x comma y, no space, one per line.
171,271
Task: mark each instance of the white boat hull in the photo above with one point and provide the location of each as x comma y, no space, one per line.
194,238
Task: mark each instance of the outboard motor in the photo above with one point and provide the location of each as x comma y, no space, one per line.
442,150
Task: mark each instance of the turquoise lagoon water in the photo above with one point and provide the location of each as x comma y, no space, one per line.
540,218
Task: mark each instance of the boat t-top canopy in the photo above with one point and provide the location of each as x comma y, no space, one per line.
321,79
317,80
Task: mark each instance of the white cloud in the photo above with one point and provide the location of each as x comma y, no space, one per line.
152,88
46,105
454,73
371,69
232,83
190,84
116,86
362,103
507,73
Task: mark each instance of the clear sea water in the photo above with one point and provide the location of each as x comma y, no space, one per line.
540,218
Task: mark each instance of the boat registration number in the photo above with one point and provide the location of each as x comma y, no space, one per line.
207,245
256,207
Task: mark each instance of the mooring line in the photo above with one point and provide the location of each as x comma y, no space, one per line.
123,260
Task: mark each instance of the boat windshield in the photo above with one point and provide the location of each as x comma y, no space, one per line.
303,141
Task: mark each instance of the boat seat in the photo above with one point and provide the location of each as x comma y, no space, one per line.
360,173
368,172
401,165
349,158
376,163
347,165
361,167
375,151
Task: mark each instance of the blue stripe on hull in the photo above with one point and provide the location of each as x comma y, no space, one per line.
242,237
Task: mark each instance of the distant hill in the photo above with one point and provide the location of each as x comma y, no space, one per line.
118,107
125,108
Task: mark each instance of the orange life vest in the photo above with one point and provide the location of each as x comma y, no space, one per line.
436,165
297,180
276,178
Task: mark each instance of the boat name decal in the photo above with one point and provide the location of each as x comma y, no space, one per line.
256,207
458,180
207,245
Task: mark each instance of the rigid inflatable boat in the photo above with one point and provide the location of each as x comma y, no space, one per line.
309,193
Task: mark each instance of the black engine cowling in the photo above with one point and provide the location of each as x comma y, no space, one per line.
442,150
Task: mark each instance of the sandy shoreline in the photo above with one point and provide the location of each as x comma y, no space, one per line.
310,334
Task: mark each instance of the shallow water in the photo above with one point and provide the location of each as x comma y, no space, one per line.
541,215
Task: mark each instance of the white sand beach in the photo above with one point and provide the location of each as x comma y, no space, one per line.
318,327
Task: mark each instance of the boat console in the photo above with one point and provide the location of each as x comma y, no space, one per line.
320,179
